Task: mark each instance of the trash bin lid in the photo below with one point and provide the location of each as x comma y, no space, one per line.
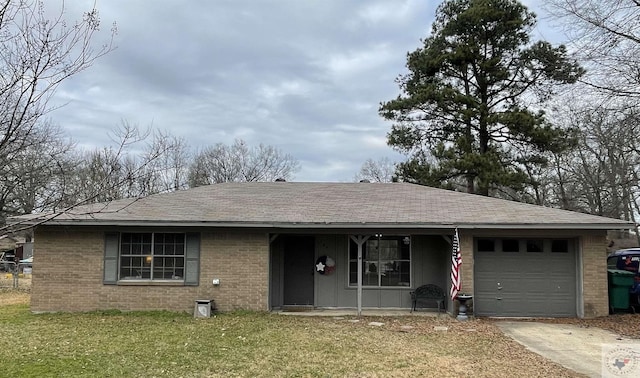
620,272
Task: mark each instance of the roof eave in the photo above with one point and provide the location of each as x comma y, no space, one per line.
338,226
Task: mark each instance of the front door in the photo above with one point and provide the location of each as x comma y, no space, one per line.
298,270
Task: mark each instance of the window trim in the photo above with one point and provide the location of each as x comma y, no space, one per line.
144,281
110,268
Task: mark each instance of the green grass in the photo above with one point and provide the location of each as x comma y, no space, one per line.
249,344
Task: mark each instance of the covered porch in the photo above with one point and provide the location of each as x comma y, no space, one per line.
361,271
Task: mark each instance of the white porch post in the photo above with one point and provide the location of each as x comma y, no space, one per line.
359,240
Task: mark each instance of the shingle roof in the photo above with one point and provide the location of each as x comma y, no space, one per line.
330,205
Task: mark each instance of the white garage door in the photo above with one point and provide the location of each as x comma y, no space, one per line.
525,277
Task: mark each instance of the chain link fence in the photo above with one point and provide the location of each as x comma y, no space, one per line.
15,275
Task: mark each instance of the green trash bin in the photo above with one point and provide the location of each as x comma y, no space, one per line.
620,281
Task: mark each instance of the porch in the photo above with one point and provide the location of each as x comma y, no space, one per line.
318,273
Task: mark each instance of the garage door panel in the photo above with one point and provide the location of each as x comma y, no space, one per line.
525,283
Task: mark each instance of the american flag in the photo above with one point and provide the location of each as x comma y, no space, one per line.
456,261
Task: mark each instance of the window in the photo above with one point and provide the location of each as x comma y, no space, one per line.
535,245
510,245
386,261
560,246
152,256
486,245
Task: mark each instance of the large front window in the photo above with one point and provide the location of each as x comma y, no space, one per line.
152,256
386,261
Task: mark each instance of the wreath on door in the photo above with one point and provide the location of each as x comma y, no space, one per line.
325,265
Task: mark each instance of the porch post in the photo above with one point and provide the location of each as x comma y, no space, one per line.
359,240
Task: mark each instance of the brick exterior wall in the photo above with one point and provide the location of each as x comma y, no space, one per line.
68,274
69,271
594,268
466,251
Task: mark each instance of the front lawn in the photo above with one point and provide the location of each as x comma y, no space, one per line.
249,344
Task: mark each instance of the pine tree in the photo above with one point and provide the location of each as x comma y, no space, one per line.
469,110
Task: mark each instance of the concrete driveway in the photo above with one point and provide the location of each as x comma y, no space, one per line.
576,348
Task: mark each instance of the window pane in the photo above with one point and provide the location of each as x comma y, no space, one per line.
135,243
132,264
168,244
158,248
405,248
165,265
353,250
510,245
146,267
371,267
126,269
561,246
372,250
388,250
168,268
353,272
394,273
370,275
158,269
389,276
486,245
404,273
132,267
534,246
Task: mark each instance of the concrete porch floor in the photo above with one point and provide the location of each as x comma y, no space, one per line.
354,312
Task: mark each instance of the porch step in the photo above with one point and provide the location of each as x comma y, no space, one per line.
297,308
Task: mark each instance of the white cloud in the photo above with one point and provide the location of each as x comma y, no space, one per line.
306,77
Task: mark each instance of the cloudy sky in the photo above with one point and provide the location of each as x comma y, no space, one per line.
304,76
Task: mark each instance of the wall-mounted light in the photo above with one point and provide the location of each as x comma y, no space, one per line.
406,240
147,259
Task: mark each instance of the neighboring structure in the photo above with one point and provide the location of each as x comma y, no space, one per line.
8,243
12,250
272,246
